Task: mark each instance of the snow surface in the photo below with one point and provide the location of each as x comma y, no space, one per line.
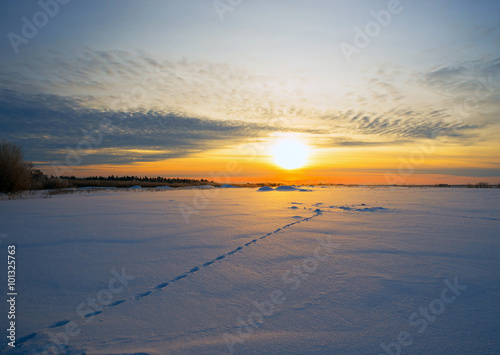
286,188
199,187
224,270
265,188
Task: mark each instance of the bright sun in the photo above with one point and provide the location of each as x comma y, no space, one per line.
290,153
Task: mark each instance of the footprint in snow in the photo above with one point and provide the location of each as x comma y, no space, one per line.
141,295
116,303
59,324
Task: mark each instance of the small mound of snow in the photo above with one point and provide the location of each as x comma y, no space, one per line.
286,188
318,211
227,186
265,188
136,187
164,187
293,208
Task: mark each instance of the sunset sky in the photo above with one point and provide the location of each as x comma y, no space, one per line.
379,91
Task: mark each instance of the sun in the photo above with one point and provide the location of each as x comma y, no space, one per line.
290,154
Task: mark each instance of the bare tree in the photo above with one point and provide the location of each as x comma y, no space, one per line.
15,173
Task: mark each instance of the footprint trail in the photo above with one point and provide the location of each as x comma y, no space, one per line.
165,284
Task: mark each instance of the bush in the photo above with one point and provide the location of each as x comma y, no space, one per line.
40,181
15,173
55,183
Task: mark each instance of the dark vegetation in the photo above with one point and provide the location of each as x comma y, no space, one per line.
17,175
129,181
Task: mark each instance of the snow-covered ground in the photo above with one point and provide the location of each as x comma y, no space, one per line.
323,271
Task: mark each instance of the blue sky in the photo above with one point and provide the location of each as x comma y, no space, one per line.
431,71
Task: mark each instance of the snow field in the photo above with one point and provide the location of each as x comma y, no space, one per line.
331,270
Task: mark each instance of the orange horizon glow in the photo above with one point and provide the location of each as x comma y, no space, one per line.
336,165
233,173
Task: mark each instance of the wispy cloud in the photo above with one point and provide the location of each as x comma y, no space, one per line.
478,79
398,126
124,80
47,124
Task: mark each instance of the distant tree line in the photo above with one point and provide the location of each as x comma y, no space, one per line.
158,179
481,185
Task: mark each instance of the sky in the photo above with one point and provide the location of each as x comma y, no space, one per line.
380,92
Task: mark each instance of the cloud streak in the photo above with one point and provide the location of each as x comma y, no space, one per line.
398,126
47,124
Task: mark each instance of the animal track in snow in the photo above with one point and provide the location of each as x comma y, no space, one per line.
159,287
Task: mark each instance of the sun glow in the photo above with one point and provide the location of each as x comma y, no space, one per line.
290,154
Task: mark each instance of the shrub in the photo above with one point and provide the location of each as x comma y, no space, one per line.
41,181
55,183
38,179
15,173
